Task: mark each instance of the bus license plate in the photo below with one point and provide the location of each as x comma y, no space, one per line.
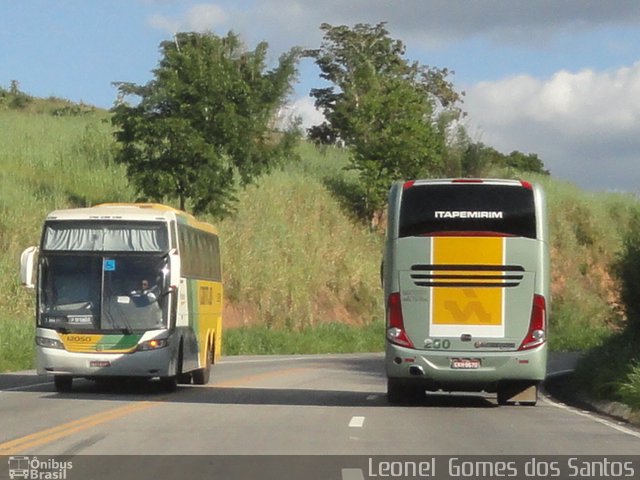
465,363
99,363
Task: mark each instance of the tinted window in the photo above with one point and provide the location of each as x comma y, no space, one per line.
97,293
200,253
431,209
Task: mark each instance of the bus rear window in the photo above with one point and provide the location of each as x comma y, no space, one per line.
495,209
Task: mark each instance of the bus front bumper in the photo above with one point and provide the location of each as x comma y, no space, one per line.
152,363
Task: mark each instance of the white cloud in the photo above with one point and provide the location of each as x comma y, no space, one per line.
204,17
198,18
305,109
163,23
423,22
584,125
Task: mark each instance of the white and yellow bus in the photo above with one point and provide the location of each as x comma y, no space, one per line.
466,284
126,290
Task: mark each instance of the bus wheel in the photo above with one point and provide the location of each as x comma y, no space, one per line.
183,378
63,383
170,384
503,397
202,375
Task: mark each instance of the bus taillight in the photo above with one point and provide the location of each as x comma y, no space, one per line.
537,326
395,323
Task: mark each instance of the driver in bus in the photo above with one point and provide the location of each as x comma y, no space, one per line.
144,295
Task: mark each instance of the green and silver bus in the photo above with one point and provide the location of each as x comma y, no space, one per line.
126,290
466,285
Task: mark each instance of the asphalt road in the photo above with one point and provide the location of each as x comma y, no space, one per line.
289,405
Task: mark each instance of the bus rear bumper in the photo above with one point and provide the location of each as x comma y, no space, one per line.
486,370
147,364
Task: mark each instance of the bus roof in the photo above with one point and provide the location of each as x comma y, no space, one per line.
131,211
486,181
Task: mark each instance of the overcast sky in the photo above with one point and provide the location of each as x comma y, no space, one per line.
558,78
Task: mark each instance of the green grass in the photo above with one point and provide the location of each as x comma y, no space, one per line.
17,345
630,387
612,370
322,338
586,232
46,162
294,255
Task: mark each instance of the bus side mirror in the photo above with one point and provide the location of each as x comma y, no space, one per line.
28,267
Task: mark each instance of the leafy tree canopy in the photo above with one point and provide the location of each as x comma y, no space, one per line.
206,122
478,158
392,114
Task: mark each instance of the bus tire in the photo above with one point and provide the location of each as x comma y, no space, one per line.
182,378
170,384
503,397
201,376
63,383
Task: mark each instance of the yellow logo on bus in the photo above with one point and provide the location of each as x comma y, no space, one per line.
472,308
475,297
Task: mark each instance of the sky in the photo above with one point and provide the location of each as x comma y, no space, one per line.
558,78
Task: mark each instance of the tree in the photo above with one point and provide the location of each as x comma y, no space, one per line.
205,123
478,158
391,114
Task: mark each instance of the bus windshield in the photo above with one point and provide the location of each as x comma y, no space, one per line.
94,292
483,208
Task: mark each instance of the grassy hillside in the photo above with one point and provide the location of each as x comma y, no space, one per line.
294,260
46,162
587,230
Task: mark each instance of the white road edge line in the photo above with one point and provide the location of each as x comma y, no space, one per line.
356,422
590,415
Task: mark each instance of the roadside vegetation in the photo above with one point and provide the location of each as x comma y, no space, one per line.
611,370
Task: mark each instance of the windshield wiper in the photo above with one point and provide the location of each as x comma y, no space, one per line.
117,321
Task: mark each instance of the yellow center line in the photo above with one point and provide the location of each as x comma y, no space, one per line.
46,436
20,445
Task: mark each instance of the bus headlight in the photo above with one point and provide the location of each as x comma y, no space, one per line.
49,343
152,344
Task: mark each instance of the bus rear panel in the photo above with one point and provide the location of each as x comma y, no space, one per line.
466,281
